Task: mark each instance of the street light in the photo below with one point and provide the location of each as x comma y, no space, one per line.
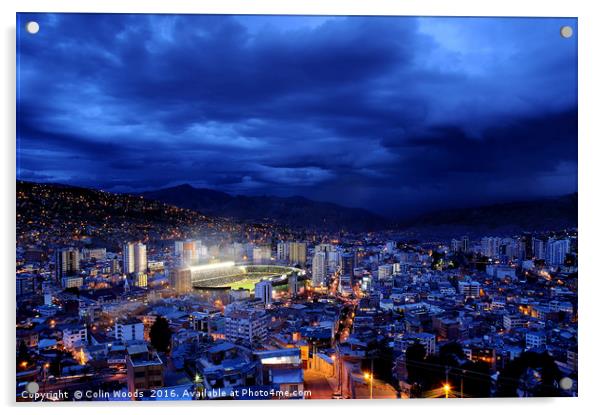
446,389
370,378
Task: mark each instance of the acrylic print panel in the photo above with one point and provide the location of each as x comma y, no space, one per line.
295,207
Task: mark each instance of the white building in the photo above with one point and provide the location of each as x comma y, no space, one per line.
469,289
99,254
134,258
535,339
490,246
262,254
385,272
282,251
74,281
512,321
556,251
390,247
188,252
501,271
333,260
263,292
74,337
319,269
427,340
180,280
539,249
246,324
297,253
130,330
293,284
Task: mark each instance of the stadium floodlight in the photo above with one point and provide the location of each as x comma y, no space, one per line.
207,267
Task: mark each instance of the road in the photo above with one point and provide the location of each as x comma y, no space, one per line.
381,390
318,384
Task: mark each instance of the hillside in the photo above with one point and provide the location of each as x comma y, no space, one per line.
543,214
288,211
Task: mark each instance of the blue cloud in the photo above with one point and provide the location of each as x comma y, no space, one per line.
394,114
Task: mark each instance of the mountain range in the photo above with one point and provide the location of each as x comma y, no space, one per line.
295,211
540,214
64,202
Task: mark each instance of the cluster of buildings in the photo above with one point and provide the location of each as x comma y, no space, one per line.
85,313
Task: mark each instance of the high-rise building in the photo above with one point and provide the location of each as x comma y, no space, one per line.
346,280
180,279
510,248
325,248
385,272
47,290
178,248
134,258
456,245
390,246
465,244
293,284
333,259
527,242
557,250
262,254
26,285
282,251
347,264
114,266
235,251
67,268
263,292
188,252
140,279
319,269
298,253
66,263
490,246
539,249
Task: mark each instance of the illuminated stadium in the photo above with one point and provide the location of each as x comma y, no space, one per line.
229,275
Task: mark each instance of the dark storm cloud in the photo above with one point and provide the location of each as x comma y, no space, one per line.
392,114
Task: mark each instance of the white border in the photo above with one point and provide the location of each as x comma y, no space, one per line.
590,151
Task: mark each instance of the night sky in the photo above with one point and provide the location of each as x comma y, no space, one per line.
396,115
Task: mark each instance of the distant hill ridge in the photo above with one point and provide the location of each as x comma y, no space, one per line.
294,211
552,213
542,214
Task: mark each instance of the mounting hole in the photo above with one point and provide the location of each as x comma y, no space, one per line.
566,383
566,32
32,387
32,27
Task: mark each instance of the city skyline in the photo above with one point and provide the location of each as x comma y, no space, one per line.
395,115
